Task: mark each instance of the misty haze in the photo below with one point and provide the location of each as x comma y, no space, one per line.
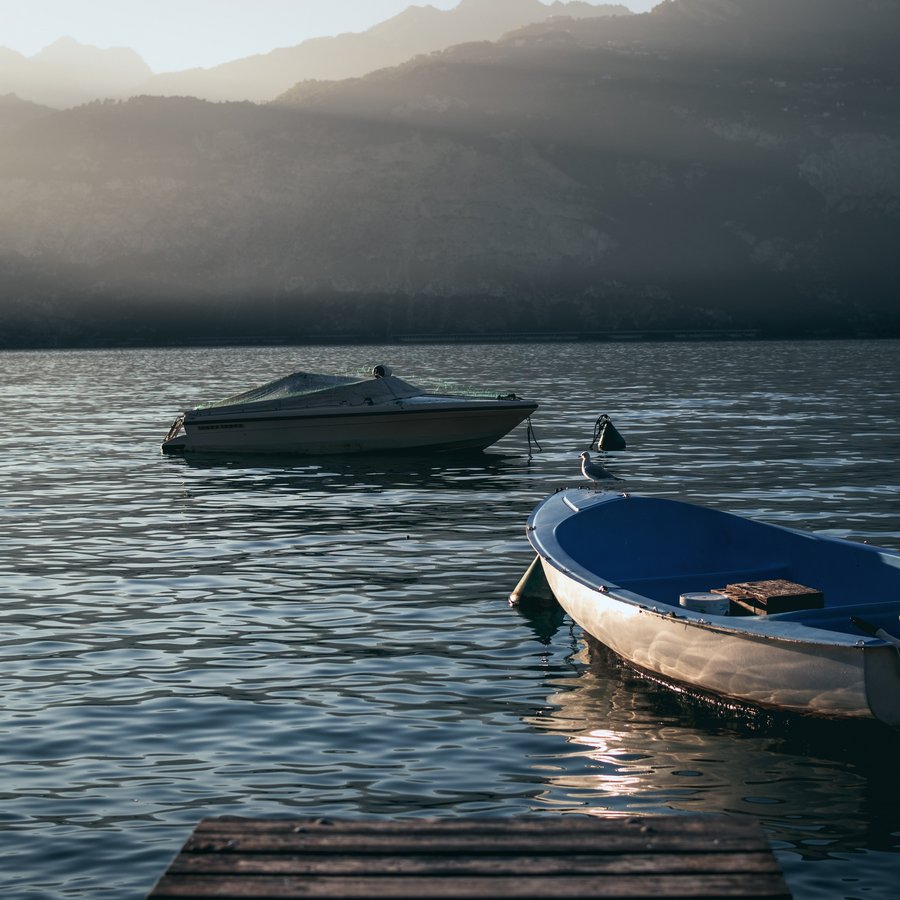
502,168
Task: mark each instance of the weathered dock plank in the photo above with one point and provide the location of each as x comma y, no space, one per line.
558,857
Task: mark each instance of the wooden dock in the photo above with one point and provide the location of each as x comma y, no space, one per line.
541,856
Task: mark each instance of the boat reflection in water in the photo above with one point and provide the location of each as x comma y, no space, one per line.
821,790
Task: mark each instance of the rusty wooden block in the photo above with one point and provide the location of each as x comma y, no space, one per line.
776,595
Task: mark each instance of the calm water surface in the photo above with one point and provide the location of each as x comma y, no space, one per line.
273,637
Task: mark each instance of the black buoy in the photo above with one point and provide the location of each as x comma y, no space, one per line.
606,437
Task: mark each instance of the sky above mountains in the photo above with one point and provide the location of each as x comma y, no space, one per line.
172,35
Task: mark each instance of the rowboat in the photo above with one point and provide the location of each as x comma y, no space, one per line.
306,413
728,607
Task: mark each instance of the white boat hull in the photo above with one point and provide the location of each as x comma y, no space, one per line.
447,428
836,681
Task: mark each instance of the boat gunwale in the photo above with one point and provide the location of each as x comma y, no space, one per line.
228,416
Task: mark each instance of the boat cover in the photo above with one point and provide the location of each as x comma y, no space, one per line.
309,389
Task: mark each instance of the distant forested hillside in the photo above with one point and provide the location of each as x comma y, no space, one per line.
715,164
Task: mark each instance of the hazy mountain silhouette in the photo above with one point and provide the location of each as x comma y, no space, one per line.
68,73
417,30
712,164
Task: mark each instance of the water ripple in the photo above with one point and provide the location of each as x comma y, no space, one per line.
191,637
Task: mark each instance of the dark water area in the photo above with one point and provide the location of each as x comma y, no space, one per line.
184,638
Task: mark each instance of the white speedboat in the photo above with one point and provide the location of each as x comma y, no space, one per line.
307,414
726,606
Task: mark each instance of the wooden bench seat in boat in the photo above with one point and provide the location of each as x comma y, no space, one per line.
668,588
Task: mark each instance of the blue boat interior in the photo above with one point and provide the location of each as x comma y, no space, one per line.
660,549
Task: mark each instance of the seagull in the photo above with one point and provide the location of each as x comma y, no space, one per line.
594,471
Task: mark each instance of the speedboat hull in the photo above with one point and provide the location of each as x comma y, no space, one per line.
444,428
619,564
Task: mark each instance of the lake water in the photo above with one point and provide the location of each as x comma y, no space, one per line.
271,637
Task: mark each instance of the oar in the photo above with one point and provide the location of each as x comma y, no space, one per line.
875,631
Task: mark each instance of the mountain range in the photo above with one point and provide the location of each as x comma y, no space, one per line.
711,165
67,73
